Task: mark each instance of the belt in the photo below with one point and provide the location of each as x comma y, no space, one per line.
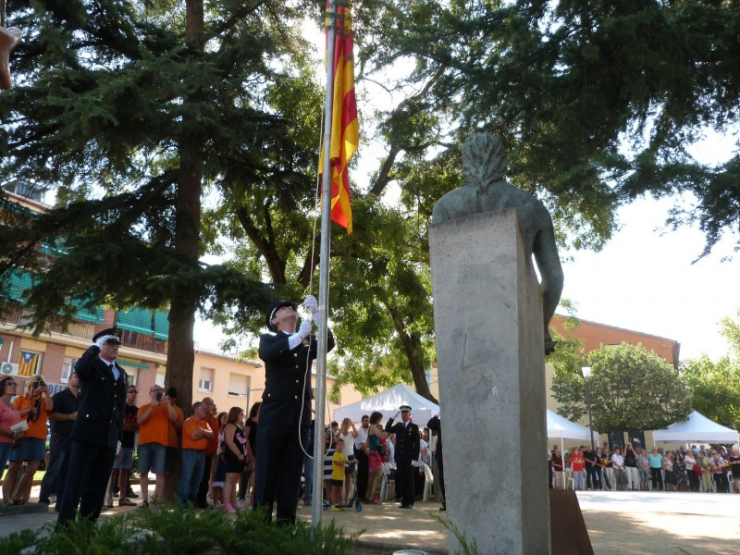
197,450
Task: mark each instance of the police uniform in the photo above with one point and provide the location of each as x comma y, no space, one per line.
285,417
95,434
408,445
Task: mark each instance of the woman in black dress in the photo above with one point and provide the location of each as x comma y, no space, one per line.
235,455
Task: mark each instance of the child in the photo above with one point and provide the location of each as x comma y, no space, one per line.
339,462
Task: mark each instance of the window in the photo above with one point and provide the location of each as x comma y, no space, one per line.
159,380
238,385
132,375
206,379
67,367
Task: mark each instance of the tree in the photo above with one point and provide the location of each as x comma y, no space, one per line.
715,386
134,112
598,102
631,388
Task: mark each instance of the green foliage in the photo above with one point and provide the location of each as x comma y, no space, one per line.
715,388
631,388
715,385
174,531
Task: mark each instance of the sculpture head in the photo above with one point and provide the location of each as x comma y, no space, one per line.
484,159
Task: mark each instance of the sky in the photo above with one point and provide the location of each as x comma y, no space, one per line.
644,280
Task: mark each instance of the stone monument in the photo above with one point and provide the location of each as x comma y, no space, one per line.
489,311
9,38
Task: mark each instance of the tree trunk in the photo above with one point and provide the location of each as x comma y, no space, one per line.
414,355
180,353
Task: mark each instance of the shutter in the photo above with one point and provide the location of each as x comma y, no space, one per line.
136,319
238,385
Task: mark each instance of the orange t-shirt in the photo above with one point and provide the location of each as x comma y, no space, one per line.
188,427
173,436
155,429
36,429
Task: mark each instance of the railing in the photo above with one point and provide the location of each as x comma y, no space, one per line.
144,342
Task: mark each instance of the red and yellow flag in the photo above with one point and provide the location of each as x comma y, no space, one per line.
27,363
345,129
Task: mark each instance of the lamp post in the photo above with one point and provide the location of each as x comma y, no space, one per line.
586,371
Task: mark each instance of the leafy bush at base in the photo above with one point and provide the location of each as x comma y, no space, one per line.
182,532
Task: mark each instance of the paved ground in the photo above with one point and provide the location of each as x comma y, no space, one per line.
618,523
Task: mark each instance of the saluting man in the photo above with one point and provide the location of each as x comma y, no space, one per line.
97,429
285,415
407,451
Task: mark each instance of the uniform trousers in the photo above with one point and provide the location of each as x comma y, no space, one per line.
88,483
278,469
405,482
362,471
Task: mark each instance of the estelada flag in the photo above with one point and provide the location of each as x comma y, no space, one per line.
345,129
27,363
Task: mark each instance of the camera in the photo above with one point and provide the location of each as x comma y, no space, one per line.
159,396
38,383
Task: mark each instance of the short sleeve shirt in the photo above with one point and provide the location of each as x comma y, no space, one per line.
64,402
155,429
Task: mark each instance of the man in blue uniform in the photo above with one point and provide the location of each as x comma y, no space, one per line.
97,429
285,415
407,451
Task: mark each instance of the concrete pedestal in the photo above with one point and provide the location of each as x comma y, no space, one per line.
488,322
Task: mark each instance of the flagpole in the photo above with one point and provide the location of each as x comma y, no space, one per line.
317,500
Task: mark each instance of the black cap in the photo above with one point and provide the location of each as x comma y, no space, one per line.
274,307
114,334
171,392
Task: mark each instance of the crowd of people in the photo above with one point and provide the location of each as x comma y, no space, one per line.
357,460
698,468
96,426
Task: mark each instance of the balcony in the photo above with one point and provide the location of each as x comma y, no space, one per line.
144,342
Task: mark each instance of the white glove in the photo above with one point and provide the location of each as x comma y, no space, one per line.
311,304
100,342
306,328
303,332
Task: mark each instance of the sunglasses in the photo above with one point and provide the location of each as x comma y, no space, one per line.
132,391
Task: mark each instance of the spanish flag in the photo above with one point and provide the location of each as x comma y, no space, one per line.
345,129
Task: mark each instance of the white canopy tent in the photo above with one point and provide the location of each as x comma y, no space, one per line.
698,428
388,402
559,427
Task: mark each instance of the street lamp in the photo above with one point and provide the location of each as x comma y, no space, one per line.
586,371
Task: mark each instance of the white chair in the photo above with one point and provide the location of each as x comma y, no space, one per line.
428,481
388,486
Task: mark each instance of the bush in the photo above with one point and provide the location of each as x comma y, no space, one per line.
174,531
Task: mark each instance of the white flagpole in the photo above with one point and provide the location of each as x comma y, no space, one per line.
324,254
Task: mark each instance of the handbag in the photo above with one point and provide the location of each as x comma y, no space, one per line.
622,479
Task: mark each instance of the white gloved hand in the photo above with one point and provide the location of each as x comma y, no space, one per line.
311,304
306,328
100,342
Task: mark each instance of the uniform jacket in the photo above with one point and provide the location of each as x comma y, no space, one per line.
101,401
285,373
408,440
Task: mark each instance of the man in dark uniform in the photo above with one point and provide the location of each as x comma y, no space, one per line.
285,415
407,450
98,428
